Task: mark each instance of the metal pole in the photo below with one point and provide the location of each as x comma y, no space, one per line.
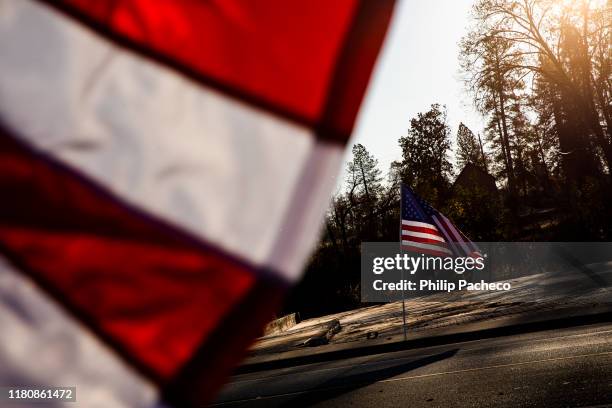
400,251
404,308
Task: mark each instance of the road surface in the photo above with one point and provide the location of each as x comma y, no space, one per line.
569,367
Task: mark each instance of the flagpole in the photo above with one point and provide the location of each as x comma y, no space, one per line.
400,251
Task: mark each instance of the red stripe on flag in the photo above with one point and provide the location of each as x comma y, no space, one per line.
157,303
149,290
307,61
423,250
354,67
206,372
421,229
423,240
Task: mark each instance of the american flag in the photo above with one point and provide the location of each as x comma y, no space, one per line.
131,135
425,230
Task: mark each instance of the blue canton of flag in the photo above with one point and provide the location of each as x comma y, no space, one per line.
425,230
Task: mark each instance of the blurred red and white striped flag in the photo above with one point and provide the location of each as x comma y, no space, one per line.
164,167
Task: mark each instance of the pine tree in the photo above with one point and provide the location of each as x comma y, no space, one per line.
425,164
469,149
364,177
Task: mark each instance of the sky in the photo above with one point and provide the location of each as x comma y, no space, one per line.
418,66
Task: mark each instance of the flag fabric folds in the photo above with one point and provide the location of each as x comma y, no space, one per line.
164,167
425,230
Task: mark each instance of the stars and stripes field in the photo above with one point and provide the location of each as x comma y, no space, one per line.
425,230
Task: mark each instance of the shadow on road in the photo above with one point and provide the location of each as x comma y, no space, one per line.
347,383
572,260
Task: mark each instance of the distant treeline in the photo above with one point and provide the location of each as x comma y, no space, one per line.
539,72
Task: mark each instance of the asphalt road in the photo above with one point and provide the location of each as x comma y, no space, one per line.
569,367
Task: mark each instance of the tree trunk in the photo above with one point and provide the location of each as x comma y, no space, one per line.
506,144
591,114
365,183
547,182
484,158
504,127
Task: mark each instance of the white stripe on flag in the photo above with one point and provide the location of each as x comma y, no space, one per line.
431,247
422,235
312,192
224,171
418,224
44,345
